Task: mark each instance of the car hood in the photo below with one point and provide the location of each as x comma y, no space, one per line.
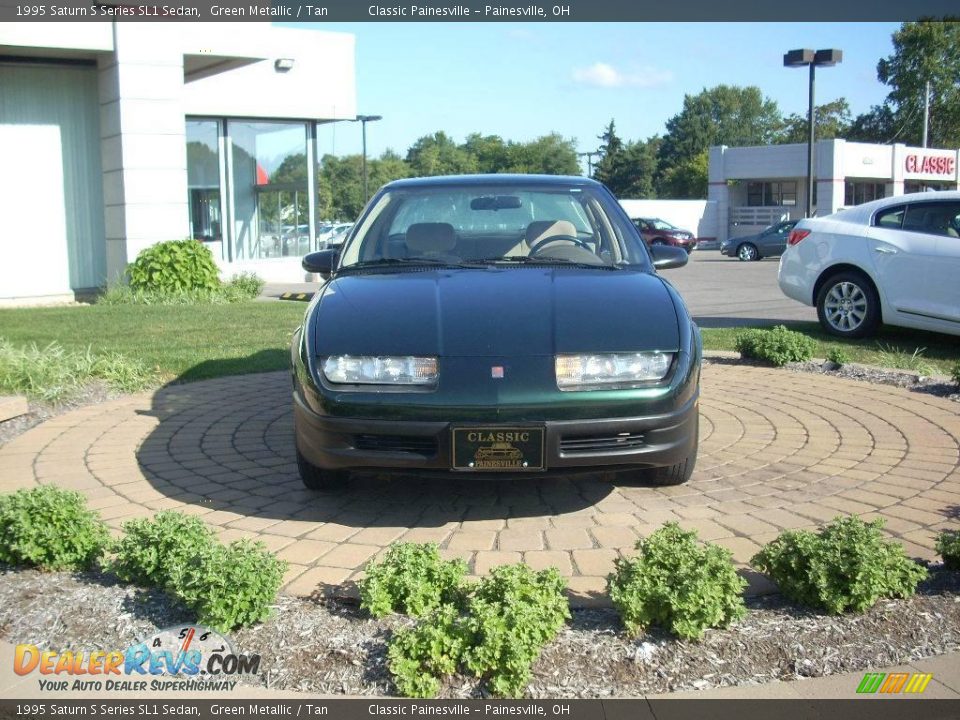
517,311
741,238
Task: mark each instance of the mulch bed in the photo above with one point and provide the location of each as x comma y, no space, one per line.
333,647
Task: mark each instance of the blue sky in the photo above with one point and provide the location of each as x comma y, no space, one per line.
523,80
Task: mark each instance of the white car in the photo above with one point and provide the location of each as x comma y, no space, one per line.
893,261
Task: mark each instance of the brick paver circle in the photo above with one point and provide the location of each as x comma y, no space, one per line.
778,450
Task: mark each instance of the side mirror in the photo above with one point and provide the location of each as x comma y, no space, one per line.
667,256
321,262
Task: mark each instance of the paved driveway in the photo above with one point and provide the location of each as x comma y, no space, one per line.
720,291
778,450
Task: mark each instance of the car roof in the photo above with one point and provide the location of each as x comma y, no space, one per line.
494,179
862,213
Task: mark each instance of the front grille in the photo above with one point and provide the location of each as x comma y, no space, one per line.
396,443
598,443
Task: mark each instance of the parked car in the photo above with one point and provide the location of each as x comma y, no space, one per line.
895,261
329,231
495,325
659,232
768,242
336,236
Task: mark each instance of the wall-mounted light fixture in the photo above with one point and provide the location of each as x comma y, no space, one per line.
283,64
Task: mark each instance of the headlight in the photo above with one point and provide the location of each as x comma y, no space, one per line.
390,370
611,371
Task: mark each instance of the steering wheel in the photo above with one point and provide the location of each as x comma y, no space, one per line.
535,248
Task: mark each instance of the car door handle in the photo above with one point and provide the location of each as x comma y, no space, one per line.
885,250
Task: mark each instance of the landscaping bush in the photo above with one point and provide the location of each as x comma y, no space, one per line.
154,550
229,586
948,545
497,634
838,357
54,374
848,565
419,656
513,613
174,266
777,345
412,579
242,287
677,583
50,528
955,373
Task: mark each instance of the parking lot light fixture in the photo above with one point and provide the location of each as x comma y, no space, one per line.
812,59
363,120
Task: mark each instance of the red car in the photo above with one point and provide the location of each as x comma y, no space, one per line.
659,232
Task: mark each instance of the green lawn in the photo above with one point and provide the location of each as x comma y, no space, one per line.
203,341
892,347
184,342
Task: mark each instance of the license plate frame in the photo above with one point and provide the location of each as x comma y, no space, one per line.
498,448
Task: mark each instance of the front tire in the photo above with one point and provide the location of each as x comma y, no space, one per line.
673,474
315,478
848,306
747,252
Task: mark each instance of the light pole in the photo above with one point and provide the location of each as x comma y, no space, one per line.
589,157
363,120
800,58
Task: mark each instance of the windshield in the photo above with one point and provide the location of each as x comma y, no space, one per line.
496,223
659,224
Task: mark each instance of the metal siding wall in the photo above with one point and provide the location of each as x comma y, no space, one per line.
65,97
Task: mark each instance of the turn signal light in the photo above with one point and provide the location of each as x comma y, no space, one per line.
796,236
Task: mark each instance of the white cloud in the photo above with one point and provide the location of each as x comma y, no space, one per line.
603,75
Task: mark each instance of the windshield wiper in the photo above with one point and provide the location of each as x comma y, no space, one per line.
542,260
408,262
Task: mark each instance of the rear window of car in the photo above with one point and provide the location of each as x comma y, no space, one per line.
891,217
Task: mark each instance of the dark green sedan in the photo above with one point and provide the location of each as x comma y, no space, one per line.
495,326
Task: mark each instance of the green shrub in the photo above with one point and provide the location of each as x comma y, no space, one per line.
154,550
50,528
229,586
513,613
677,583
955,373
419,656
245,286
777,345
174,266
838,357
54,374
240,288
892,356
412,579
497,635
948,545
848,565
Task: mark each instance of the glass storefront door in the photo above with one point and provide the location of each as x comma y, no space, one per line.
268,176
203,184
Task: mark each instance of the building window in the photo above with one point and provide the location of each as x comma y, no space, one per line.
271,202
857,193
203,182
772,194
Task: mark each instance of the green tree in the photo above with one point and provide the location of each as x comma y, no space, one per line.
490,153
687,179
631,171
926,51
611,151
438,154
878,125
832,121
722,115
549,155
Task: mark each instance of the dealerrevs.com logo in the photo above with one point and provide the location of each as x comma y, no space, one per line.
183,657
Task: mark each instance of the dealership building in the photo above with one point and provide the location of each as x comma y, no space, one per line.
117,135
753,187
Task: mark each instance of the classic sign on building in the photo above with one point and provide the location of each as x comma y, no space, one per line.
939,165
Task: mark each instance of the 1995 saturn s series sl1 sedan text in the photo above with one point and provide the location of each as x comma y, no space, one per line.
495,325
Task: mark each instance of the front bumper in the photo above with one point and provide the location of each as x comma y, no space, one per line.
571,446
